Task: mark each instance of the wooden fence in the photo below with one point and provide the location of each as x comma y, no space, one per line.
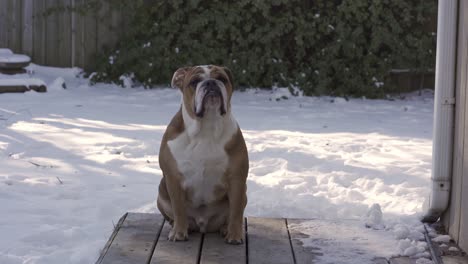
53,33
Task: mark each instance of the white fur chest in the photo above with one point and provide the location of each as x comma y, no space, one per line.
201,157
202,164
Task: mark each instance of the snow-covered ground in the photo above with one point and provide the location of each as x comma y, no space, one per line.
73,160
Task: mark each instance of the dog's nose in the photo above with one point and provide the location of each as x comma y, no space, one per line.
211,85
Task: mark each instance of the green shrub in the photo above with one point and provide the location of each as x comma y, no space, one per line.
342,48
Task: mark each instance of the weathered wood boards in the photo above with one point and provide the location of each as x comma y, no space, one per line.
56,33
215,250
268,240
169,252
455,260
302,254
142,238
402,261
134,240
21,85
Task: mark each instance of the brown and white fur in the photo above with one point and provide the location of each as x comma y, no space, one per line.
204,158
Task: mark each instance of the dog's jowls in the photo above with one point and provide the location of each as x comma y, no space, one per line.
204,158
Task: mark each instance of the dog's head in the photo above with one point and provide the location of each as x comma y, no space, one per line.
206,89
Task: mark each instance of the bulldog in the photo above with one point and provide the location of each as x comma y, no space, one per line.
204,158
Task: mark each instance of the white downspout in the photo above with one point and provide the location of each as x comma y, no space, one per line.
442,149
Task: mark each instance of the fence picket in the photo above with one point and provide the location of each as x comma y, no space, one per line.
63,37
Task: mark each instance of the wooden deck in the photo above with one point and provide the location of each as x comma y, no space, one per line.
142,238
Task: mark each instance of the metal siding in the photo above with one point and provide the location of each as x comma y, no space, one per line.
463,82
456,217
452,216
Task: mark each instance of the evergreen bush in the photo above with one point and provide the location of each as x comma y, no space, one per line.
334,47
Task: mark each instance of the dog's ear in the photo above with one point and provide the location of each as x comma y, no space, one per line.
178,77
229,74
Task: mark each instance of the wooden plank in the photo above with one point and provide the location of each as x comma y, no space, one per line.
38,55
27,27
169,252
111,238
14,25
455,259
402,260
90,39
20,85
124,13
274,234
433,247
321,243
13,89
303,255
51,55
134,240
380,261
3,24
18,26
64,36
462,81
115,25
73,33
104,33
215,250
9,23
109,25
79,37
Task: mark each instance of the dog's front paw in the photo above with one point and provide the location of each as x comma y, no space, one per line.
234,237
223,231
177,235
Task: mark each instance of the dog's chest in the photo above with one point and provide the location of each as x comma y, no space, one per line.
202,163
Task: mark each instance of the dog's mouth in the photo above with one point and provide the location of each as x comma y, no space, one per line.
211,101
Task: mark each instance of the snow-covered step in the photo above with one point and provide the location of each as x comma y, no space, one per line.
4,51
10,61
142,238
22,85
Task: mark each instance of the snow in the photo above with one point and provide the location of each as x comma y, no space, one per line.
453,249
374,217
5,51
74,160
410,247
127,80
442,239
14,58
332,240
424,261
401,231
22,82
58,84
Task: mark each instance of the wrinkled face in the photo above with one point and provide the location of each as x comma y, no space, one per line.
206,90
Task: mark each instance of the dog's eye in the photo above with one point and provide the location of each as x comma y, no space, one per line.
222,79
194,82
